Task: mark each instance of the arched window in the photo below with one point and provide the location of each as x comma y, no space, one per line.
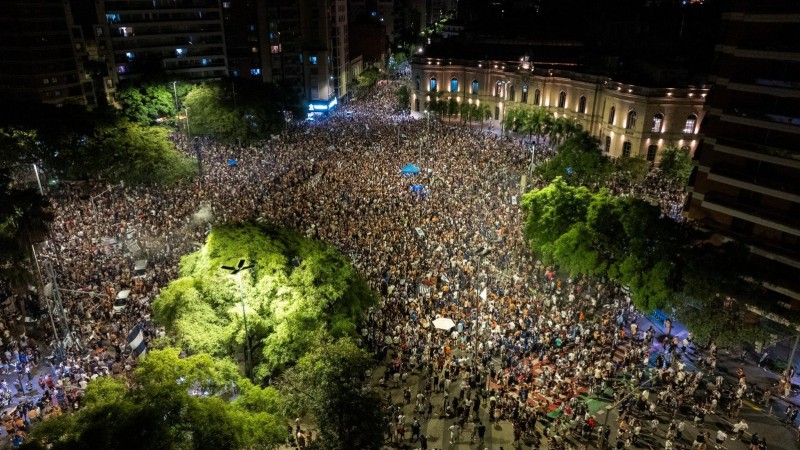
626,149
651,152
611,113
537,97
525,93
454,84
582,105
608,144
691,122
433,84
416,104
631,122
658,123
474,86
498,89
512,93
562,99
417,80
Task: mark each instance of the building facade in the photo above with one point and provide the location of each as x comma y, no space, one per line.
629,120
747,183
180,37
306,47
42,55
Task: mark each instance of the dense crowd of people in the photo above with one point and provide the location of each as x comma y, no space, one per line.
528,345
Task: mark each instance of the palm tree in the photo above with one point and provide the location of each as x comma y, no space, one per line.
452,108
483,112
513,119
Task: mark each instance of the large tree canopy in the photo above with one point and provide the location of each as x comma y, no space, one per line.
297,288
172,402
330,384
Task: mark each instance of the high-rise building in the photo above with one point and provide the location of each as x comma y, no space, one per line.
747,183
180,37
247,38
41,54
308,49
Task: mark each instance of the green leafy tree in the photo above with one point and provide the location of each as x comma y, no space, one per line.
676,164
297,289
403,97
483,112
159,410
24,220
329,383
136,154
453,108
145,102
579,161
631,170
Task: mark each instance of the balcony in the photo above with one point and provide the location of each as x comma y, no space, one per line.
733,207
757,148
769,182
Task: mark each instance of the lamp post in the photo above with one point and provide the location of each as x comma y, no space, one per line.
188,132
175,93
247,355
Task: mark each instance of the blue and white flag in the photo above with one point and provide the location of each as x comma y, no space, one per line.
136,341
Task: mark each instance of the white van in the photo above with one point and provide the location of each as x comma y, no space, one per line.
121,301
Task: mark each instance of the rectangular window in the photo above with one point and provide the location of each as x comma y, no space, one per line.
45,81
608,144
626,149
255,72
275,48
474,87
226,5
205,62
122,69
312,60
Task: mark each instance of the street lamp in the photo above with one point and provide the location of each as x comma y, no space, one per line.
248,360
175,93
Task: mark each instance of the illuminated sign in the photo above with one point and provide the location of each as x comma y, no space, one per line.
323,106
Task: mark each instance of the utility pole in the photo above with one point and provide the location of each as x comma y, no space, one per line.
175,93
56,310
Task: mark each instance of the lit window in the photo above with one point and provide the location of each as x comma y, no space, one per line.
658,122
611,113
180,52
498,89
236,72
205,62
691,122
454,85
255,72
126,31
537,97
226,4
524,93
122,69
433,84
130,55
562,99
45,81
57,93
251,27
112,18
275,49
631,122
312,60
582,105
626,149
